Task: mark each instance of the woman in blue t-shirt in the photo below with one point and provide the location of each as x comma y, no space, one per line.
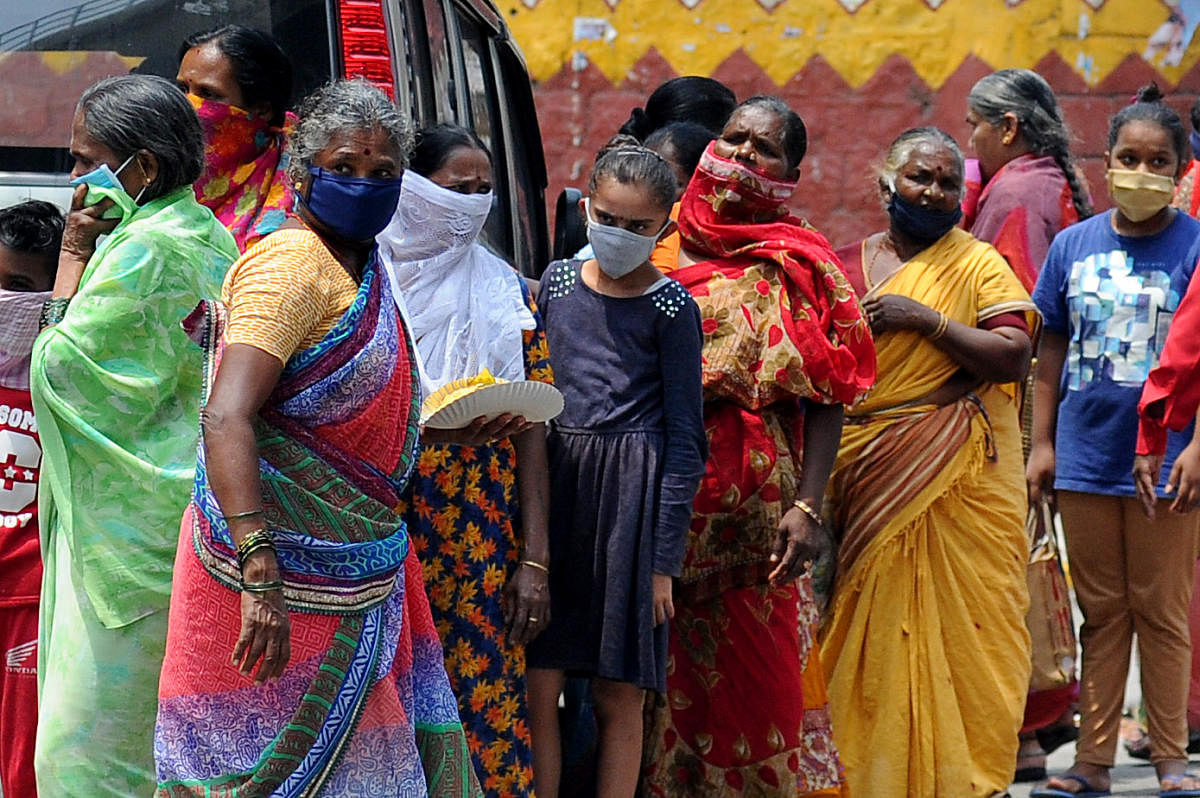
1107,292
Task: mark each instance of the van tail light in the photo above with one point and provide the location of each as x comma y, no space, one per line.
365,50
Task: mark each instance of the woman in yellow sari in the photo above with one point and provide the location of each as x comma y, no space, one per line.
925,647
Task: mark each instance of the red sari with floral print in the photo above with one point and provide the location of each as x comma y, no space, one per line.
745,710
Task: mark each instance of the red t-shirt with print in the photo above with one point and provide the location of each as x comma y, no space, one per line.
20,463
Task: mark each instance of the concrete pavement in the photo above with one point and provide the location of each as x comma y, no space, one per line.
1130,777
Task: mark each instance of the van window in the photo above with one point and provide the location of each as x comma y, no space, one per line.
51,50
483,116
518,118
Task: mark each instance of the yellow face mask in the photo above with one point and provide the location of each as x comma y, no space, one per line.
1140,195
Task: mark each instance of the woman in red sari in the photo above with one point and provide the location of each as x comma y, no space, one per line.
785,348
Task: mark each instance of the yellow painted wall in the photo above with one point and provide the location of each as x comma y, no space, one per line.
855,42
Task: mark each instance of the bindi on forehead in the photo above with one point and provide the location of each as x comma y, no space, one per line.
934,159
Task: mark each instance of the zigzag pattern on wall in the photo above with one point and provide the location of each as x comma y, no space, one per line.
855,37
849,125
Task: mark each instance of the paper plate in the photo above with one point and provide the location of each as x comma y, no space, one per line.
537,401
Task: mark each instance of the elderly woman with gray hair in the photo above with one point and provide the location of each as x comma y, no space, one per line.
116,388
926,648
1029,189
301,655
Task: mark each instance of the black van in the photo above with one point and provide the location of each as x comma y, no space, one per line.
442,60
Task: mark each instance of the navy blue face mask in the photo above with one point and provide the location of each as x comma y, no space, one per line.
924,225
356,208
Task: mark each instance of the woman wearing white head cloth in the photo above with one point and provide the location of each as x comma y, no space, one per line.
476,506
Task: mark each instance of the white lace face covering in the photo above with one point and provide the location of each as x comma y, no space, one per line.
464,306
19,313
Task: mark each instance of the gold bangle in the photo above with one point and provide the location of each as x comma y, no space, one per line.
804,507
254,536
535,564
240,516
942,325
254,540
245,554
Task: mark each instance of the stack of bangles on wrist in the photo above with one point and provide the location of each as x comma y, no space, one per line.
53,311
255,540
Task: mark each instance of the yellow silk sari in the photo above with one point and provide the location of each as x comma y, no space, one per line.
926,648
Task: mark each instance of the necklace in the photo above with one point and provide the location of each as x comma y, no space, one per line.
877,248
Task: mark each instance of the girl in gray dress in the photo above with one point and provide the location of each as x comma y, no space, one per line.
626,457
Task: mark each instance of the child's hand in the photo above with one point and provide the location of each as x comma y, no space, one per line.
664,608
1146,470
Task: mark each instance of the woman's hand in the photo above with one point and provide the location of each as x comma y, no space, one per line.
526,603
266,630
1146,471
798,542
890,313
1184,481
1039,472
479,432
664,607
83,227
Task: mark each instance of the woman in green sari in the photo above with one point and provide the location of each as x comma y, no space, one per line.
116,391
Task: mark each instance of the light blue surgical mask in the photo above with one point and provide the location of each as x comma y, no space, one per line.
102,183
618,251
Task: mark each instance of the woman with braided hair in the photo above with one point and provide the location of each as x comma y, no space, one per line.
1030,190
1030,186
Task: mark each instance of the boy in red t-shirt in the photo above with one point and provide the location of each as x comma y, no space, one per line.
30,235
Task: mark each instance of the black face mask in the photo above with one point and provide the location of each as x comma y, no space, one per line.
925,225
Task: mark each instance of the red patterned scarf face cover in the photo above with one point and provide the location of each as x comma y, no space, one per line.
737,217
727,204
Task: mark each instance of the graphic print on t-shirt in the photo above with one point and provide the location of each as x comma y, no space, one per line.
1121,320
20,458
20,464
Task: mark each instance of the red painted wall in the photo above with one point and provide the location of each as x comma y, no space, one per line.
849,129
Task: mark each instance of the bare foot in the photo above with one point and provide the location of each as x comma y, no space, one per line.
1080,777
1173,775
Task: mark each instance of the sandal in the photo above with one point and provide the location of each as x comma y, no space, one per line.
1139,747
1052,738
1085,789
1179,791
1030,767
